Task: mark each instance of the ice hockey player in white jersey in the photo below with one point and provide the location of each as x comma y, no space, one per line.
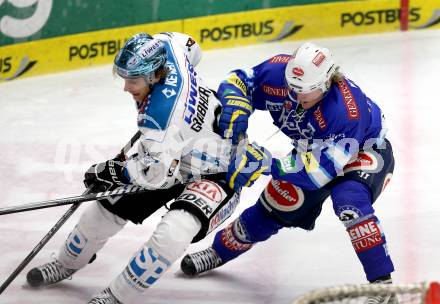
180,157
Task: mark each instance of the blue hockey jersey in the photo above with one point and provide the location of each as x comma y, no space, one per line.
326,137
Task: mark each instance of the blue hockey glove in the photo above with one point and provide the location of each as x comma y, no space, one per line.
246,167
233,120
106,176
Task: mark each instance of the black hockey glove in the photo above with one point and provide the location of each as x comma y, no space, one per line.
106,176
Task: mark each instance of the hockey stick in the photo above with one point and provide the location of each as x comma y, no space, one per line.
126,190
60,222
129,189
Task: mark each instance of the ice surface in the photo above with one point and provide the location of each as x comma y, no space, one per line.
53,127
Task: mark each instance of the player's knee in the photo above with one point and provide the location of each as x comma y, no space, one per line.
174,233
98,224
257,224
351,201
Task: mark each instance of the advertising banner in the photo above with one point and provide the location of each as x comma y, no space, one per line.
227,30
71,52
309,21
30,20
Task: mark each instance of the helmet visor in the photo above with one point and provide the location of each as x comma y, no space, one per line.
296,89
127,64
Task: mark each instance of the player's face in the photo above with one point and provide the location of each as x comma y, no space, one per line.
137,87
308,100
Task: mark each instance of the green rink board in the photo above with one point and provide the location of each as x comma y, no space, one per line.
54,18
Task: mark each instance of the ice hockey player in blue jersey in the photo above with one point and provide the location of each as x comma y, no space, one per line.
339,151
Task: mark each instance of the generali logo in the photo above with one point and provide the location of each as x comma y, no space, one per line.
350,102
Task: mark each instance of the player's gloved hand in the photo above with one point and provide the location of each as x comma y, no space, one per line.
248,165
106,176
233,120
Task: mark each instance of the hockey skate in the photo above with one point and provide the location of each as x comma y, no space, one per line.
198,262
104,297
47,274
50,273
390,298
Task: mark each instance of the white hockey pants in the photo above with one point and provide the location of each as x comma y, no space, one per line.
94,228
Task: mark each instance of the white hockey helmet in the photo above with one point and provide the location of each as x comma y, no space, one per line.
310,68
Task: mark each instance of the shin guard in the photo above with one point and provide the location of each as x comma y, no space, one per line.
254,225
94,228
168,242
370,244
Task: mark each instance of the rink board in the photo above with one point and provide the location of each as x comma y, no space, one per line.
219,31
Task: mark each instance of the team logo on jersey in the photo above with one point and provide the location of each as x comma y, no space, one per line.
298,71
365,161
292,124
319,58
283,196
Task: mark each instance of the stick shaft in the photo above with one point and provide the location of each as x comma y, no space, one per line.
81,198
71,200
39,246
57,226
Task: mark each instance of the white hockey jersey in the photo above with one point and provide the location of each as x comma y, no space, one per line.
178,141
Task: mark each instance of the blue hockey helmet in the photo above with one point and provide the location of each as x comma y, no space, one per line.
141,56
